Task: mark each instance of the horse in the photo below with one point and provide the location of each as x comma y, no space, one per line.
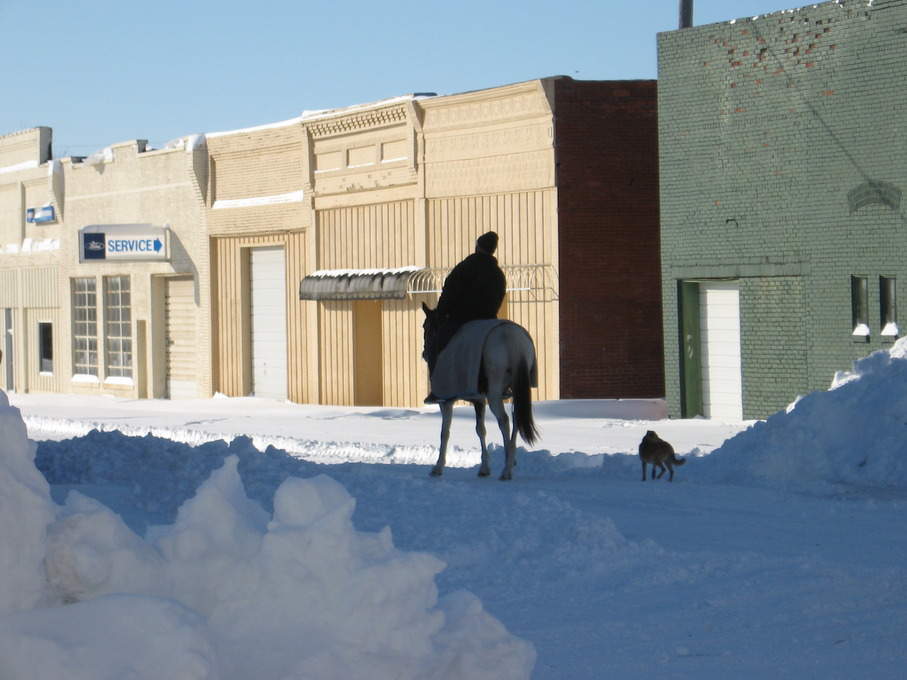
507,363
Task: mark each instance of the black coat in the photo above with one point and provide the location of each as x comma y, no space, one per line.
473,290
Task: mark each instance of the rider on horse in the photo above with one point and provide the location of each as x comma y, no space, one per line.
473,290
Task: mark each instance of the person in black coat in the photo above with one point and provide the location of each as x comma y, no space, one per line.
473,290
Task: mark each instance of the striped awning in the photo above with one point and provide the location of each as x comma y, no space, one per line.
356,284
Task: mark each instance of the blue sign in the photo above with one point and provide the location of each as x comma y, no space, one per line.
38,215
93,247
134,245
125,242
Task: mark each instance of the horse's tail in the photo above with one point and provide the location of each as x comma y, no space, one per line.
523,420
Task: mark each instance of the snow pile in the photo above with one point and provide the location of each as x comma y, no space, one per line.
854,434
228,590
25,495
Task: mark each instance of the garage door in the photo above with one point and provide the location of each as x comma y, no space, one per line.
179,329
722,384
269,323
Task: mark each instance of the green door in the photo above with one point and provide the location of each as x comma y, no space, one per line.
690,349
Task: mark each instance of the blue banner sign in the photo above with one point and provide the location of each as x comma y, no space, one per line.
123,242
39,215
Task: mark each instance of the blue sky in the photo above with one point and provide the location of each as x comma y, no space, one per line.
105,71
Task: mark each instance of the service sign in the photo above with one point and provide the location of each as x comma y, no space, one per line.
123,243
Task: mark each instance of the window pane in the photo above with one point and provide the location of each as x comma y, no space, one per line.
117,327
85,328
888,305
46,347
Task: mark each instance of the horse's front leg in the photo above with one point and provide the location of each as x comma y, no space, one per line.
446,417
485,469
499,410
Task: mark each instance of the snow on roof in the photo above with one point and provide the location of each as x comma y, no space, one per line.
26,165
323,113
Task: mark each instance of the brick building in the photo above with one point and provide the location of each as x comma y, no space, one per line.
608,237
103,269
273,238
564,170
782,167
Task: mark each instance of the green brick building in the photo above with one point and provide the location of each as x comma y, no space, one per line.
783,156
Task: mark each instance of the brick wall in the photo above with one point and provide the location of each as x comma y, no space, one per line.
610,287
782,165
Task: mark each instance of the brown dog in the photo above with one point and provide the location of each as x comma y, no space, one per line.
655,450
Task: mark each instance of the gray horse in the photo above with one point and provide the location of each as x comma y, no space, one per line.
507,366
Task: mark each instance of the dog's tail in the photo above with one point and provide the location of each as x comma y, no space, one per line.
679,460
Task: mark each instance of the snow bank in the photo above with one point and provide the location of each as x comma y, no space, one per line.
855,433
107,638
24,495
228,590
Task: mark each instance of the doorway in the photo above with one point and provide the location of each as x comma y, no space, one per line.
268,322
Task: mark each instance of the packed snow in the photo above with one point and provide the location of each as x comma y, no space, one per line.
242,538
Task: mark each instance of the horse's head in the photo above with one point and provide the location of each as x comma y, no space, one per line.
429,330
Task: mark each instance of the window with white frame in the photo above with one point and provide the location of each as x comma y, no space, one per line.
113,316
888,306
117,327
85,326
46,347
859,303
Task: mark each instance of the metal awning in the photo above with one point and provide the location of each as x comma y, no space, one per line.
528,277
396,284
356,284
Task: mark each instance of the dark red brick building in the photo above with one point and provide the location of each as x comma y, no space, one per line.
606,159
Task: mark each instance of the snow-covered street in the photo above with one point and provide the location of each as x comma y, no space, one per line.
778,553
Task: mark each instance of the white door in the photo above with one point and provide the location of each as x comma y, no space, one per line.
179,330
722,382
269,323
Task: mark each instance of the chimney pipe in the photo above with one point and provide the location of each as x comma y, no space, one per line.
686,13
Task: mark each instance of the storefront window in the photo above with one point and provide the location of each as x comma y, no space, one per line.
85,326
118,326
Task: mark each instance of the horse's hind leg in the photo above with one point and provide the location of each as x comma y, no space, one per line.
500,412
446,417
485,469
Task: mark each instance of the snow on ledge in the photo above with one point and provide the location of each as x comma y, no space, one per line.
292,197
27,165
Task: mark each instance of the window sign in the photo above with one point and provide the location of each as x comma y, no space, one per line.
123,243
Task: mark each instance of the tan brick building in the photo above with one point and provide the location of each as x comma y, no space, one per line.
298,253
398,189
93,252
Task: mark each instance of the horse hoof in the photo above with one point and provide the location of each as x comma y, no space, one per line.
506,476
435,472
484,473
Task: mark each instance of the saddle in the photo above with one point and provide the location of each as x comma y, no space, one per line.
458,371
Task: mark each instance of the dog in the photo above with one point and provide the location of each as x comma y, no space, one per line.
655,450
